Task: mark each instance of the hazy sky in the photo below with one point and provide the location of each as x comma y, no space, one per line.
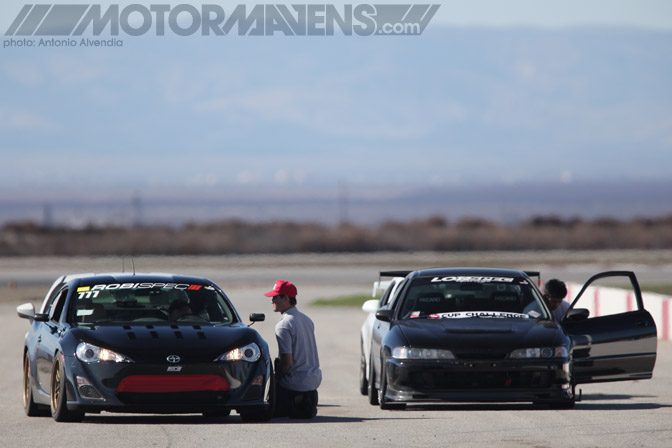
652,14
172,114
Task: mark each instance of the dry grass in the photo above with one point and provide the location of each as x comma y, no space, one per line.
432,234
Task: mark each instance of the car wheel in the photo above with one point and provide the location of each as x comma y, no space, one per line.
29,406
59,395
261,414
363,382
386,404
372,391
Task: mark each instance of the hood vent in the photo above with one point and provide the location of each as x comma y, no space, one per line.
135,333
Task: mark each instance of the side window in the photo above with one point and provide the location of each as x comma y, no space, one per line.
46,307
397,292
55,306
52,296
386,295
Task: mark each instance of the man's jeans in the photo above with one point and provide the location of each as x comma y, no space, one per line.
294,404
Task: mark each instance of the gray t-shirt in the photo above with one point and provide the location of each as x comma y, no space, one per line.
560,311
296,336
534,310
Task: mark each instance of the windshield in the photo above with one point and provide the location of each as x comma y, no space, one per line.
156,303
472,296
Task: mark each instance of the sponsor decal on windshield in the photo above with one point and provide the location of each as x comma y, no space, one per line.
471,279
182,286
467,314
88,292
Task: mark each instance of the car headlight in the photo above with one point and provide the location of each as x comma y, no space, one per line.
421,353
250,353
540,352
90,353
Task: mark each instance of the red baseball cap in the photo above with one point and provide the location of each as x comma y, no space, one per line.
282,288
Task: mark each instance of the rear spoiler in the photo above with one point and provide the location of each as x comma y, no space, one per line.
381,285
394,273
536,274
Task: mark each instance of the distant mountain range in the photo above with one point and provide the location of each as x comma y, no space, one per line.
506,204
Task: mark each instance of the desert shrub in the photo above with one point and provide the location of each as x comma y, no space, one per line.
431,234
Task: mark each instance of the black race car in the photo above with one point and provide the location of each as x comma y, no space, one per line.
486,335
143,343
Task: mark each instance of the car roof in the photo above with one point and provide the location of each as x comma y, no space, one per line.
482,272
129,277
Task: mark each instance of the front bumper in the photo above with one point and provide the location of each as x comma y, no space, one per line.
478,380
172,389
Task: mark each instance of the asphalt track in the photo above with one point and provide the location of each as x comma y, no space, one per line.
627,414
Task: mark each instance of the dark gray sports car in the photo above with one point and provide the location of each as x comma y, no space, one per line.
486,335
143,343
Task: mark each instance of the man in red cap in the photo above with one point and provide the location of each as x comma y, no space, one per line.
297,371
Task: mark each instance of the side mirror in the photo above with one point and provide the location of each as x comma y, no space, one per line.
577,314
384,315
256,317
27,311
370,306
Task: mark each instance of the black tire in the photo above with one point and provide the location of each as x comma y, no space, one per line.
220,413
372,391
363,382
261,414
386,404
59,395
567,404
29,406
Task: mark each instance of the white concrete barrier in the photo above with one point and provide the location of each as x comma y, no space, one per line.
604,301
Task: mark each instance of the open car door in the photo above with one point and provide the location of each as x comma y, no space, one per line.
618,346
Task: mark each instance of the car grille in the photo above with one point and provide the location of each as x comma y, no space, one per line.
172,383
175,400
481,355
480,379
177,389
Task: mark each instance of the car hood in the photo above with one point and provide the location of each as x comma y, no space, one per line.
481,337
195,343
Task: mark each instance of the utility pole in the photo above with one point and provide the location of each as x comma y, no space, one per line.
136,203
342,203
47,216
